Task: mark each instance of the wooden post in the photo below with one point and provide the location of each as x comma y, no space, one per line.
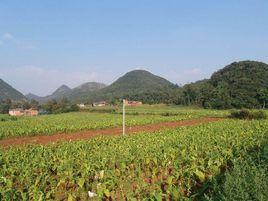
124,118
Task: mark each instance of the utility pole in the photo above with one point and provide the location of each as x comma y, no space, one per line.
124,118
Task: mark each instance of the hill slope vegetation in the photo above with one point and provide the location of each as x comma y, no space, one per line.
8,92
135,85
239,85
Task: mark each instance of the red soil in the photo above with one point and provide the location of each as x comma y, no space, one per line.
46,139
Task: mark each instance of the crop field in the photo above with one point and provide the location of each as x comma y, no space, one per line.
159,109
80,121
173,164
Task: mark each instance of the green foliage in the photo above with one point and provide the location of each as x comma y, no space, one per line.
7,104
62,106
4,118
247,114
239,85
169,164
263,96
247,179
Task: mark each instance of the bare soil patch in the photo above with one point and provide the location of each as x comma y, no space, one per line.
83,135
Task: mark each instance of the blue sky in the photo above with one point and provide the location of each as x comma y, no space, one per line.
44,44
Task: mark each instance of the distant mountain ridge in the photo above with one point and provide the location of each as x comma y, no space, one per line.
8,92
242,84
137,84
89,86
66,92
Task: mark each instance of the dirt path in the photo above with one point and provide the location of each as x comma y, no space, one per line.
46,139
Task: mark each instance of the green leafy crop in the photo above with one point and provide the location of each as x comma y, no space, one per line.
175,164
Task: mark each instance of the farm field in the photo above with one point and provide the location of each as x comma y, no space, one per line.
173,164
81,121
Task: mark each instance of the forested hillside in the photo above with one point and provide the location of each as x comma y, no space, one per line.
239,85
135,85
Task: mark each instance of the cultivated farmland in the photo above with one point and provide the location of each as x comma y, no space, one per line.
171,164
80,121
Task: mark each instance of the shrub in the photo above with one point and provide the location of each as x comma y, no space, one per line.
167,114
8,118
247,114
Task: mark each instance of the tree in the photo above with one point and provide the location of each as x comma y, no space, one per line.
263,97
5,105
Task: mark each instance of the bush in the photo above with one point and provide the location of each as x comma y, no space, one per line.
168,114
260,115
247,180
247,114
8,118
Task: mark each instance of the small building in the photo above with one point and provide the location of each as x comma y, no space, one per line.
20,112
31,112
100,104
81,105
132,103
16,112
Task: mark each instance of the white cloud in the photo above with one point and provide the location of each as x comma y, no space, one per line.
8,36
41,81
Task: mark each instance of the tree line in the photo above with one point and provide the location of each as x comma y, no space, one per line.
50,107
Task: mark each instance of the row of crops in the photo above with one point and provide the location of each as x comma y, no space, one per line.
173,164
78,121
159,109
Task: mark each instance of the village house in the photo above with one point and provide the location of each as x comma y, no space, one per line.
16,112
81,105
132,103
100,104
31,112
20,112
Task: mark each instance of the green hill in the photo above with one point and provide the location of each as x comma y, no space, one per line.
61,91
8,92
241,84
135,85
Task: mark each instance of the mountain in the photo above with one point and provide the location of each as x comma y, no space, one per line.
8,92
89,86
135,85
61,91
241,84
66,92
31,96
137,81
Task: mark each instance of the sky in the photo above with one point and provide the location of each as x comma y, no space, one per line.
44,44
